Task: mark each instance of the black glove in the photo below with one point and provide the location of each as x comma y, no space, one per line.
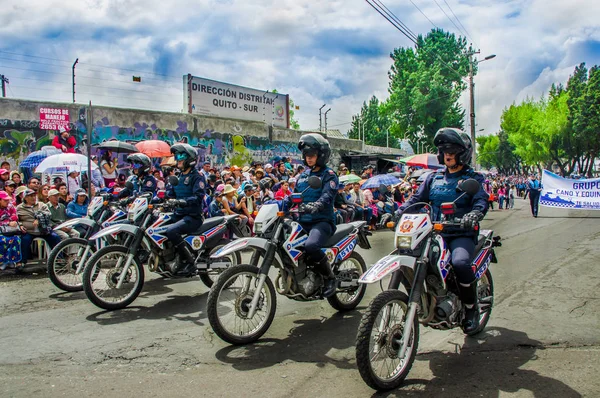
176,203
309,208
181,203
471,219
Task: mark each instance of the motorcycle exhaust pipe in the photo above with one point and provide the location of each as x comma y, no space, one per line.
445,309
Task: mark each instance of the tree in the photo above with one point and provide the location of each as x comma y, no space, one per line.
376,125
425,86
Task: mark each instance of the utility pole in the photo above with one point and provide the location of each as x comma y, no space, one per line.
4,81
321,118
326,112
73,76
472,108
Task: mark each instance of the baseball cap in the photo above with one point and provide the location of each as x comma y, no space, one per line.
3,171
79,192
4,195
268,166
20,190
292,180
10,183
53,192
29,191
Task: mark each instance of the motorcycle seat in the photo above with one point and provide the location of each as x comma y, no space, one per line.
342,231
208,224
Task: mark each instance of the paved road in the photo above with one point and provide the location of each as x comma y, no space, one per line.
542,340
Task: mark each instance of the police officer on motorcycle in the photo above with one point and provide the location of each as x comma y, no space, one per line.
455,151
189,193
317,214
141,179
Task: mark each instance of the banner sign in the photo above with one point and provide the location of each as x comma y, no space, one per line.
54,119
565,193
213,98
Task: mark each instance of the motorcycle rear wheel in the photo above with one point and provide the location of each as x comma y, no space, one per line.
381,327
62,265
209,277
348,300
100,278
229,302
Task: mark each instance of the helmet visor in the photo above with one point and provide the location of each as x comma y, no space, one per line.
450,149
137,165
181,156
309,151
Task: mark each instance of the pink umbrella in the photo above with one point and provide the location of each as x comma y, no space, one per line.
425,160
154,148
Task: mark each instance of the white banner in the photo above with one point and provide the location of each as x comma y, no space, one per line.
213,98
565,193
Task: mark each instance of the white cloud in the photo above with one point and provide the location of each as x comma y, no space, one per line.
334,51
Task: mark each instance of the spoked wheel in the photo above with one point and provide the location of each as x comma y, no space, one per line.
102,274
63,262
485,297
233,259
350,270
229,303
380,338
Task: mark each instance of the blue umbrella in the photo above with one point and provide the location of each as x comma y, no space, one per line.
35,158
376,181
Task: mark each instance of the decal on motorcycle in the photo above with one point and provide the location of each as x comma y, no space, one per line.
344,254
483,268
387,269
406,226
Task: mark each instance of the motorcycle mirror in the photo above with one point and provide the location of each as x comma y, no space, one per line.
383,189
314,182
470,186
173,181
129,185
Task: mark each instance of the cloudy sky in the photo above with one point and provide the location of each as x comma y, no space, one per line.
334,52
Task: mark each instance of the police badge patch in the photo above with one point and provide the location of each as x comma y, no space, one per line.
201,184
332,184
149,183
186,181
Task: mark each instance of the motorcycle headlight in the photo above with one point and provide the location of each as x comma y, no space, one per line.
257,227
403,242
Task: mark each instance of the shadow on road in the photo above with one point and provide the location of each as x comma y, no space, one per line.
180,308
309,341
484,366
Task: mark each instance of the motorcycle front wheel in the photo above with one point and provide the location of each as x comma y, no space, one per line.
63,262
229,302
379,339
102,274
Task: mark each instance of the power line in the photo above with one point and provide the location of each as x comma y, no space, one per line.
447,16
417,7
460,23
392,15
395,24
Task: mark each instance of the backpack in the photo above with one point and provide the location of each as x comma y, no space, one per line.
45,225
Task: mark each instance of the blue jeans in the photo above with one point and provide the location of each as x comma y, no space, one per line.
52,238
462,249
318,234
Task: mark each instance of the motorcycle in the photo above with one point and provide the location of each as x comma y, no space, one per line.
114,275
388,335
242,303
67,259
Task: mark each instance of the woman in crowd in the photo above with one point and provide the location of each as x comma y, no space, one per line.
10,244
19,194
16,177
229,201
10,187
284,191
108,167
42,193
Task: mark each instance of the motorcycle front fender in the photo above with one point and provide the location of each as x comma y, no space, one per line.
116,229
239,245
87,222
386,266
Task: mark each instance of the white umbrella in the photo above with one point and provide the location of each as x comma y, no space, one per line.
70,161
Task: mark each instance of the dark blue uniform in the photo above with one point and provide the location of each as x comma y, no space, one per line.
189,218
148,184
320,226
441,187
533,187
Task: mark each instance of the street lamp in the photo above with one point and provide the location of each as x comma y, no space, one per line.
472,95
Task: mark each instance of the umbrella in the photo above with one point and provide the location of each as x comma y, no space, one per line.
426,160
70,161
419,173
349,178
35,158
154,148
376,181
118,146
397,174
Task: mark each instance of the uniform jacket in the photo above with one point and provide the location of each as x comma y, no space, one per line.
324,195
191,189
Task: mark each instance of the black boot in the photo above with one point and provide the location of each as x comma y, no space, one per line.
330,285
186,266
468,295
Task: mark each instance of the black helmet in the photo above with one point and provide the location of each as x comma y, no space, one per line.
185,149
448,138
313,143
143,161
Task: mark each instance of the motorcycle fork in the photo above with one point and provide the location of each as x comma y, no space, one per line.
263,273
137,240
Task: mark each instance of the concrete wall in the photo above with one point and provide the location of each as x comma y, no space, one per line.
221,141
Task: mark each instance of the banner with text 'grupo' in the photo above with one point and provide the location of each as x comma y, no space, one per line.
566,193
